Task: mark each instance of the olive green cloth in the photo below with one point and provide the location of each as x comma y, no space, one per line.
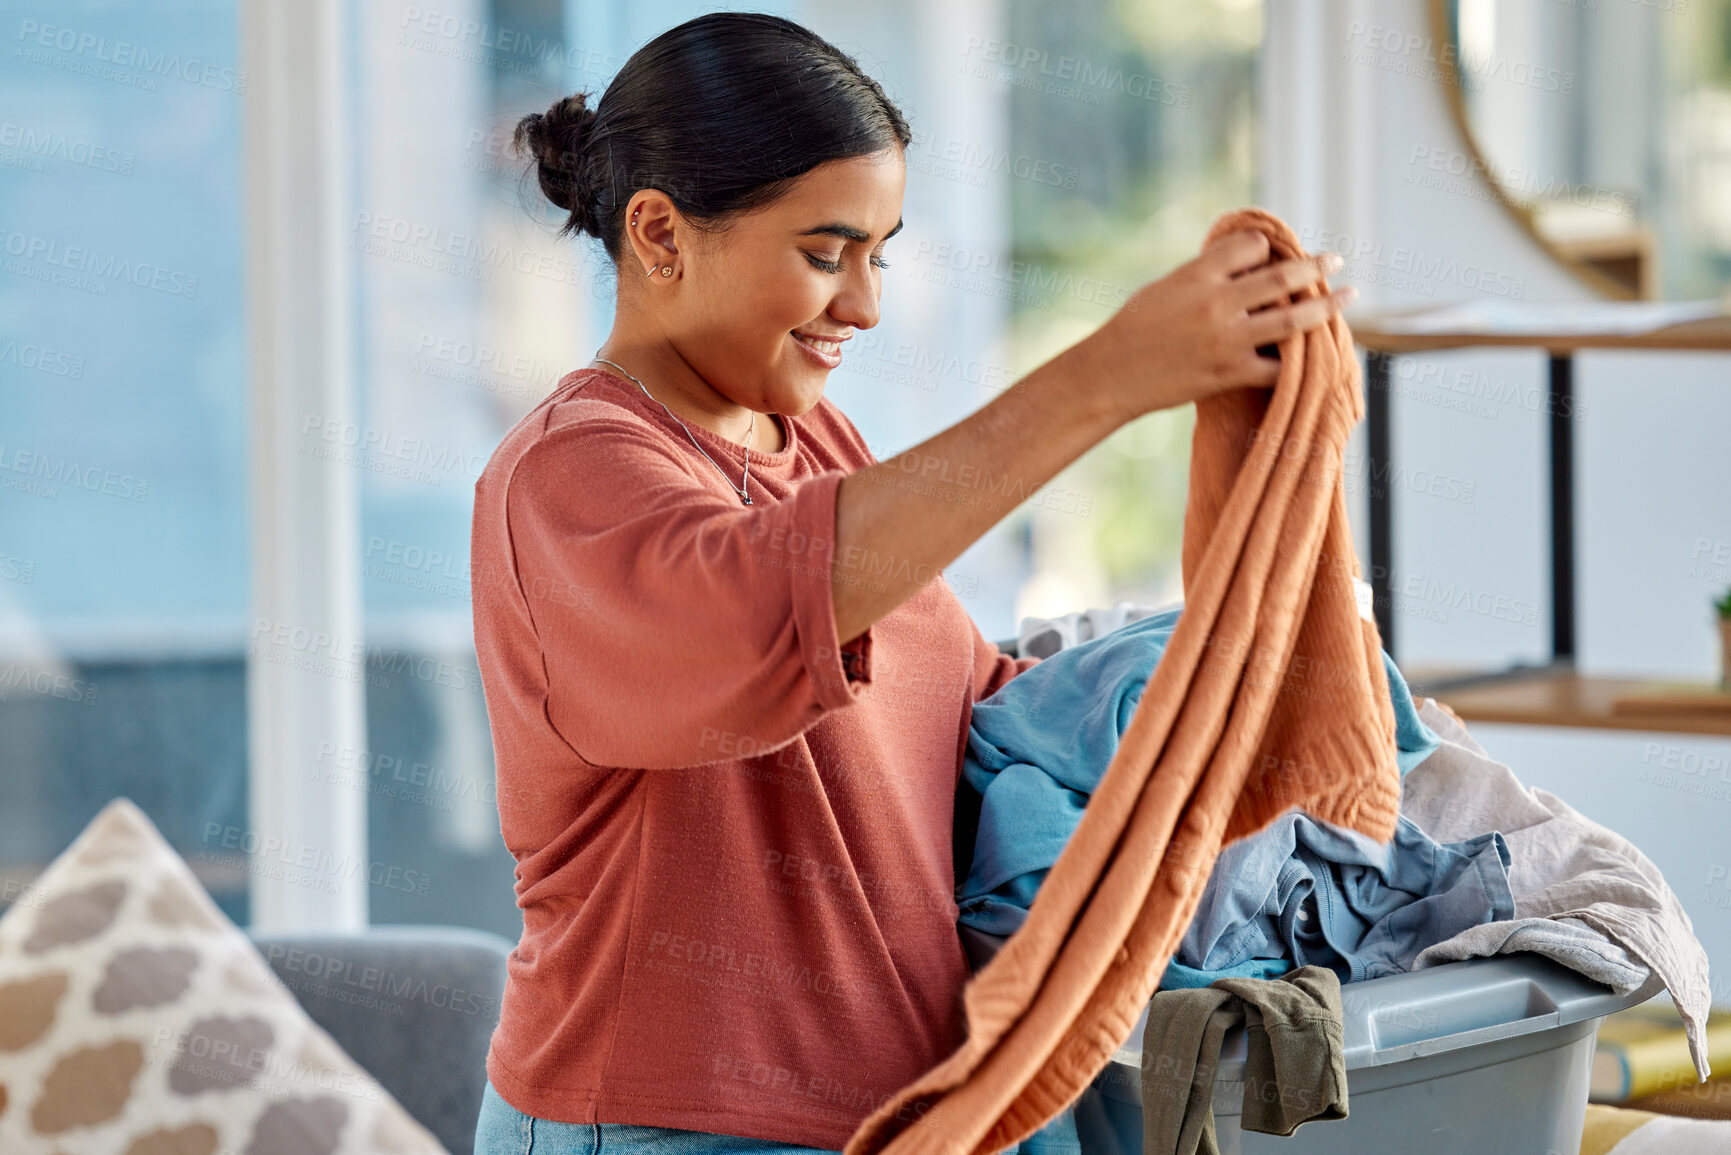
1295,1070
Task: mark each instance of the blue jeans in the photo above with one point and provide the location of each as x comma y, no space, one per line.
504,1130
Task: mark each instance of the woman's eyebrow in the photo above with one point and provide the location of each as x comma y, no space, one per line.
847,231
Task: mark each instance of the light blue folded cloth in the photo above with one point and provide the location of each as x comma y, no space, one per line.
1180,977
1323,895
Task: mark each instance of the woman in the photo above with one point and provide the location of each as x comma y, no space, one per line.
727,699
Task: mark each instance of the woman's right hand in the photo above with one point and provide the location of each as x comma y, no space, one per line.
1195,332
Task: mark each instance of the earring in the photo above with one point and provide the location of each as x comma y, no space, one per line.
666,270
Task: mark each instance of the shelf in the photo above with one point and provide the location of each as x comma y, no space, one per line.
1713,333
1556,696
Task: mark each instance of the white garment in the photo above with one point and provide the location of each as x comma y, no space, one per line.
1668,1135
1573,880
1043,637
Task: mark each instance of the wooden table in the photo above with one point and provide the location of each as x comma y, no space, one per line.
1553,693
1554,696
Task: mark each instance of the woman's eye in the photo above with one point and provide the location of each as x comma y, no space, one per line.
835,266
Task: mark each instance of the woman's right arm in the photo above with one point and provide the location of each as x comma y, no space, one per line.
1184,337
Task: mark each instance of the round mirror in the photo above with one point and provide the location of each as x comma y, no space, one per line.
1604,126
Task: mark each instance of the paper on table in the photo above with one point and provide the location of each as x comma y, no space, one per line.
1564,318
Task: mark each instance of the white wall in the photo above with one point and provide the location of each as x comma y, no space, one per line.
1348,126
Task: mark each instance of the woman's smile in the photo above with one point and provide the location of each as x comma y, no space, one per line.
825,352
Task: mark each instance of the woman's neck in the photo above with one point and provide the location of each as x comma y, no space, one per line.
667,378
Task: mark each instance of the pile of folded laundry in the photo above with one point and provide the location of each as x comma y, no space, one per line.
1479,864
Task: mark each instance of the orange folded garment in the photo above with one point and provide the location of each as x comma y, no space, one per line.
1271,694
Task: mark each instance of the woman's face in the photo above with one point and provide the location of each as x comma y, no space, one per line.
802,270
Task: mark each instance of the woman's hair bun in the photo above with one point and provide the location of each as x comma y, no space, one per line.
559,141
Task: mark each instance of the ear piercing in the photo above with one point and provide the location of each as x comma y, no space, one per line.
666,270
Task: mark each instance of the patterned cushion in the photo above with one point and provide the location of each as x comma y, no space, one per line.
136,1019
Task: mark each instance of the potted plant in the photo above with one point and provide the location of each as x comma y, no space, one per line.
1723,605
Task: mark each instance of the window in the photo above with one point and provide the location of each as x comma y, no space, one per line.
1064,156
123,521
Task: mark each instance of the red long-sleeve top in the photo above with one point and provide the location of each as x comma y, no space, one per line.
733,835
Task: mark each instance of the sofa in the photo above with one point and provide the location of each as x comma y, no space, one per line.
430,1052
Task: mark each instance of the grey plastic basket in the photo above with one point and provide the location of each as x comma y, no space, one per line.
1485,1055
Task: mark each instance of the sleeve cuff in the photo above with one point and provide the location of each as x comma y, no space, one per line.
837,671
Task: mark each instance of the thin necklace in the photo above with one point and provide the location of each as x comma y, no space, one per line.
744,481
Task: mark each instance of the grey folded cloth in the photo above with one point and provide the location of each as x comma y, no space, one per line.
1566,940
1584,895
1295,1070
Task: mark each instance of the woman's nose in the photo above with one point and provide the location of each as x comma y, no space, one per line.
857,304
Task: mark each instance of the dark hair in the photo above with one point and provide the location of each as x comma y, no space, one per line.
721,113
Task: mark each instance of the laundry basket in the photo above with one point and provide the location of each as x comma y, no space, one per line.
1488,1056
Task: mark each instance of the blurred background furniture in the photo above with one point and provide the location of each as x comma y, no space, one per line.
1554,693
